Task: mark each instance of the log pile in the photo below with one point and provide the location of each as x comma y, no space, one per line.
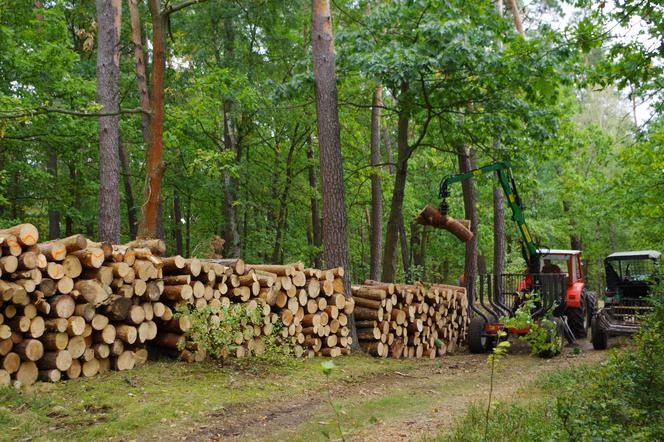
72,307
399,320
308,304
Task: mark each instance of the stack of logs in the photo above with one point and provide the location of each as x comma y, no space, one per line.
308,303
72,307
399,320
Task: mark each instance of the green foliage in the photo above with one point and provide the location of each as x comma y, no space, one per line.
534,421
624,398
219,332
583,169
541,332
620,399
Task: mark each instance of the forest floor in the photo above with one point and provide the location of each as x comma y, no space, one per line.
379,399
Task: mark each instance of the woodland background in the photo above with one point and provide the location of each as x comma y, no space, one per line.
574,104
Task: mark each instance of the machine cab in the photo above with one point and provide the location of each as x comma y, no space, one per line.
631,274
559,261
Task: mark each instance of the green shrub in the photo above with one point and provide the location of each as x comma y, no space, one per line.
217,331
621,399
534,421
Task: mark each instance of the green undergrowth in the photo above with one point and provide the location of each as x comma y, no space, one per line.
621,399
162,394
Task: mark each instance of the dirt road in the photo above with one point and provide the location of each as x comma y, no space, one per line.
421,400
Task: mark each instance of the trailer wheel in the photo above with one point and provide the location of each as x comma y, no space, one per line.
600,337
555,335
478,342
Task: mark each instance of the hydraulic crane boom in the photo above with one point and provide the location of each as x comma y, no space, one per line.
506,180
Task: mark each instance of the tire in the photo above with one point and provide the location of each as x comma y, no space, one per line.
599,337
478,342
591,306
555,334
577,318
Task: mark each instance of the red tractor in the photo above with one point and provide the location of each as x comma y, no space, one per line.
555,275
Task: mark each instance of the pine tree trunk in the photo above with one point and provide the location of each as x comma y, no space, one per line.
141,76
498,212
53,213
317,236
416,244
516,16
335,238
108,75
376,189
177,223
498,231
403,246
277,251
229,184
470,263
154,164
396,217
230,231
129,193
388,150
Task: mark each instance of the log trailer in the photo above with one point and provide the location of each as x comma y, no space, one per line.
562,291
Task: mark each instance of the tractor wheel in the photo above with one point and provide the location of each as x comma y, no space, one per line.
577,318
554,336
478,342
600,337
591,306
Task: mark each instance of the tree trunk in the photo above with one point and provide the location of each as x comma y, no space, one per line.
177,223
229,184
481,264
423,251
317,240
498,211
141,76
388,150
154,164
498,231
396,215
188,226
230,231
277,251
108,75
53,213
129,193
470,263
516,16
73,182
416,244
376,190
574,239
335,239
403,246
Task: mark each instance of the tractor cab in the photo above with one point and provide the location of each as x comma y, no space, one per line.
631,274
558,261
568,263
630,278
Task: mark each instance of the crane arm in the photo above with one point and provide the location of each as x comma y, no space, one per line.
506,180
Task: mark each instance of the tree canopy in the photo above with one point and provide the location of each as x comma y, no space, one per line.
240,139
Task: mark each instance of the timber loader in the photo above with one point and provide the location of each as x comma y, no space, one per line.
555,275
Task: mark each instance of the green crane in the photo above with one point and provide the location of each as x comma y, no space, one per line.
506,180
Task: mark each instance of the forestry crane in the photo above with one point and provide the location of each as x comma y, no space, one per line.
562,291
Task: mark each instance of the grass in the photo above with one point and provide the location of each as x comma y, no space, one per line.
404,400
164,394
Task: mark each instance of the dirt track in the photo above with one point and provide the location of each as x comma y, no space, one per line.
442,388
